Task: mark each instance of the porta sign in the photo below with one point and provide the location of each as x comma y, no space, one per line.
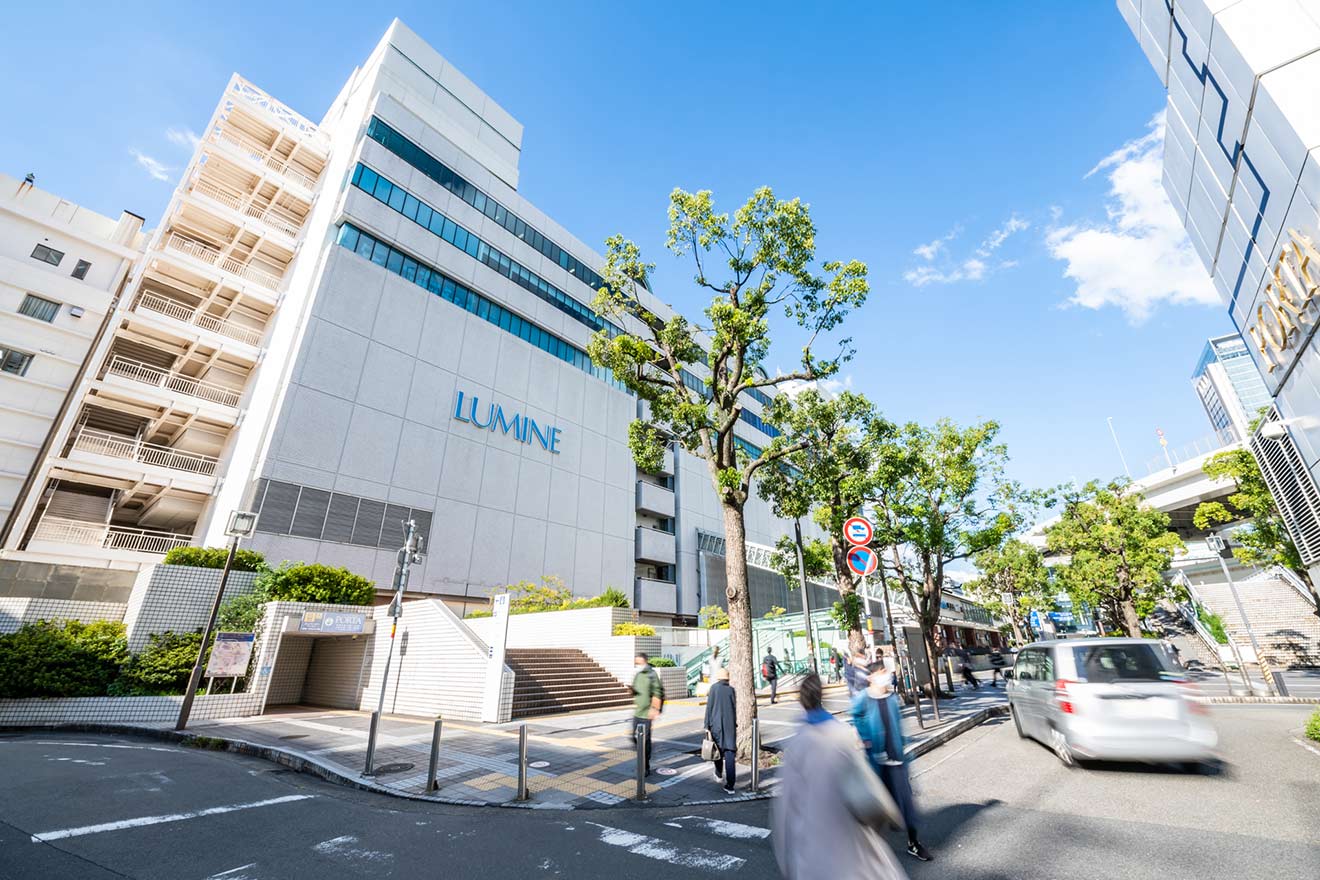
1286,313
857,530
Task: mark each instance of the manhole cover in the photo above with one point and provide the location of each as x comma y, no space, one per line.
666,771
539,765
384,769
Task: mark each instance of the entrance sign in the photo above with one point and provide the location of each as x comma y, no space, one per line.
499,636
863,560
857,530
230,655
332,622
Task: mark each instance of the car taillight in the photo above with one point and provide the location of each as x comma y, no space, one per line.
1191,695
1061,695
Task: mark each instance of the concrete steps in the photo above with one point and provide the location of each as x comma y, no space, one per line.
1284,622
1192,651
551,680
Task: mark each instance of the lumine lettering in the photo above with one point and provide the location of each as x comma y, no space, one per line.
492,417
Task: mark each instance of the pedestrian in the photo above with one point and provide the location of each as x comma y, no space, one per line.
965,666
722,727
836,662
878,719
856,672
829,808
770,672
648,698
997,664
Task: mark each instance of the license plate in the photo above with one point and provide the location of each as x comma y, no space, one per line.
1149,708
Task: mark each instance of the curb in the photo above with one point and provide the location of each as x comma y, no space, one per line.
956,729
1249,701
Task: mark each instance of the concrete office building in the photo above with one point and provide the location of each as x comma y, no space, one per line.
1229,386
62,268
1242,169
347,323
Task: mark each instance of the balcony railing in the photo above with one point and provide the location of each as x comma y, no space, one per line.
118,446
149,375
212,257
178,311
260,153
275,218
58,530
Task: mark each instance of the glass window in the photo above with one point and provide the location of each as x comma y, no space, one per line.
368,179
459,238
479,202
397,198
409,269
15,362
410,206
80,270
348,236
424,215
381,254
47,255
1106,664
395,262
383,189
41,309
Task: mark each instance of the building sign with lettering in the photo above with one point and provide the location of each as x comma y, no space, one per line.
1287,312
493,417
332,622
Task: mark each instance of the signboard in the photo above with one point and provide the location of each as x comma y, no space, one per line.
1284,317
492,417
863,560
498,636
230,655
857,530
332,622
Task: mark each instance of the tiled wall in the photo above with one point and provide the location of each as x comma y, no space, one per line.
336,671
591,630
14,612
176,598
290,672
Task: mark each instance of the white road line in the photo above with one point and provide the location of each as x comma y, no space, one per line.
230,873
1312,749
655,848
158,820
60,742
735,830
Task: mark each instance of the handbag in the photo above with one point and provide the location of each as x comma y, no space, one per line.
708,749
865,797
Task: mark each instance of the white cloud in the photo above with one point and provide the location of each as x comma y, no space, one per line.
184,137
157,169
827,387
930,251
1012,225
1140,257
942,267
971,269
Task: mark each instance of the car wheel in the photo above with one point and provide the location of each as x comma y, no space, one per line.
1017,724
1059,744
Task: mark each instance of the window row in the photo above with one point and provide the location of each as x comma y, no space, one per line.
37,307
53,257
698,384
450,180
13,361
382,254
424,215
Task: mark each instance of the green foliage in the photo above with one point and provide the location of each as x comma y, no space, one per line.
662,663
815,558
715,617
162,667
775,611
214,557
1119,548
613,597
47,659
1014,582
241,613
634,629
316,583
1313,727
847,612
528,597
1214,623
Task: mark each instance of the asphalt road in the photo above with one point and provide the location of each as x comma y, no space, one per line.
74,806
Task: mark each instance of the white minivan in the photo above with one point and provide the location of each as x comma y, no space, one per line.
1109,699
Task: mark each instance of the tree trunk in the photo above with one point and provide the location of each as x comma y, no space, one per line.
1305,576
741,663
1018,632
1130,619
843,577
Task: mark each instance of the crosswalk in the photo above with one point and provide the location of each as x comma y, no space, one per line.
696,843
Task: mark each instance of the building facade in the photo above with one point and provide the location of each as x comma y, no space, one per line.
62,269
1242,169
1229,386
346,324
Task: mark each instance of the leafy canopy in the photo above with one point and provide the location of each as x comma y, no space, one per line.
1014,581
1266,540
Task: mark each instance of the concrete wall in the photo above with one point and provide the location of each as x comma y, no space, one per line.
32,591
335,672
590,630
176,598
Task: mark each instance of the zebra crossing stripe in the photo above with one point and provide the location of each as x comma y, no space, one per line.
693,857
721,828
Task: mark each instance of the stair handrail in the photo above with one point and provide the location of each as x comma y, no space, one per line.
1290,577
694,663
1188,611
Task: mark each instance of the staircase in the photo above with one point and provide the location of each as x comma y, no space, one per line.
1284,622
551,680
1193,652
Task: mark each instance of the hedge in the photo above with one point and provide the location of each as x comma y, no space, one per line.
72,659
1313,727
662,663
162,667
316,583
214,557
634,629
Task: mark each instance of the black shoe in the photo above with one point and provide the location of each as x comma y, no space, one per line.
919,852
728,790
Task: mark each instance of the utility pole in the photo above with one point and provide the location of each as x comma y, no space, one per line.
1222,549
411,551
806,600
1114,434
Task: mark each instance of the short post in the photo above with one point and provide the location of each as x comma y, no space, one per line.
639,732
431,782
756,755
522,762
371,744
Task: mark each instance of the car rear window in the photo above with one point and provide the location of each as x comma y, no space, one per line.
1110,663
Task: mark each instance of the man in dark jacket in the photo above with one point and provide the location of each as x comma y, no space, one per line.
721,721
770,672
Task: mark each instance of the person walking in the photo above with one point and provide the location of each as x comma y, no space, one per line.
836,664
856,672
722,726
648,698
997,664
829,808
878,719
770,672
964,659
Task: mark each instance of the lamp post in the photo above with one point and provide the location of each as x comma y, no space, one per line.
1223,550
806,600
411,552
242,524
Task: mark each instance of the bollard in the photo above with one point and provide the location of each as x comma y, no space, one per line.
756,754
371,744
639,733
522,763
431,782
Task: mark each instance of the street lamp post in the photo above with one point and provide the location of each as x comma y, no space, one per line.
411,551
1220,545
806,600
242,524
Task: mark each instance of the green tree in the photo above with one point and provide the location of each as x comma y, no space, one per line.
1265,541
696,378
1118,548
1014,582
831,478
316,583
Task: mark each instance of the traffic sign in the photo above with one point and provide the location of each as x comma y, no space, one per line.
857,530
863,560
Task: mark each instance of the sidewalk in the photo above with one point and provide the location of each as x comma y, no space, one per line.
574,761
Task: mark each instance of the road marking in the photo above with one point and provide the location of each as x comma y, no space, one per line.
141,821
230,873
1312,749
343,847
60,742
735,830
655,848
76,761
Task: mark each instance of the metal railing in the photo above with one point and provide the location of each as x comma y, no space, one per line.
1201,446
260,153
149,375
178,311
118,446
1290,577
210,256
277,219
58,530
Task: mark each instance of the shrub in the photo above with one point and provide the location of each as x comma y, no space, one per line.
551,595
1214,623
317,583
775,611
613,597
241,613
1313,727
214,557
634,629
662,663
162,667
716,617
47,659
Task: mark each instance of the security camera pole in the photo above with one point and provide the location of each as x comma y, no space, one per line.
411,551
241,525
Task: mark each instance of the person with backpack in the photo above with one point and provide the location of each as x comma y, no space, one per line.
770,672
722,728
648,701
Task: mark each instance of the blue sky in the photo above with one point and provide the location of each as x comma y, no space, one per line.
946,145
